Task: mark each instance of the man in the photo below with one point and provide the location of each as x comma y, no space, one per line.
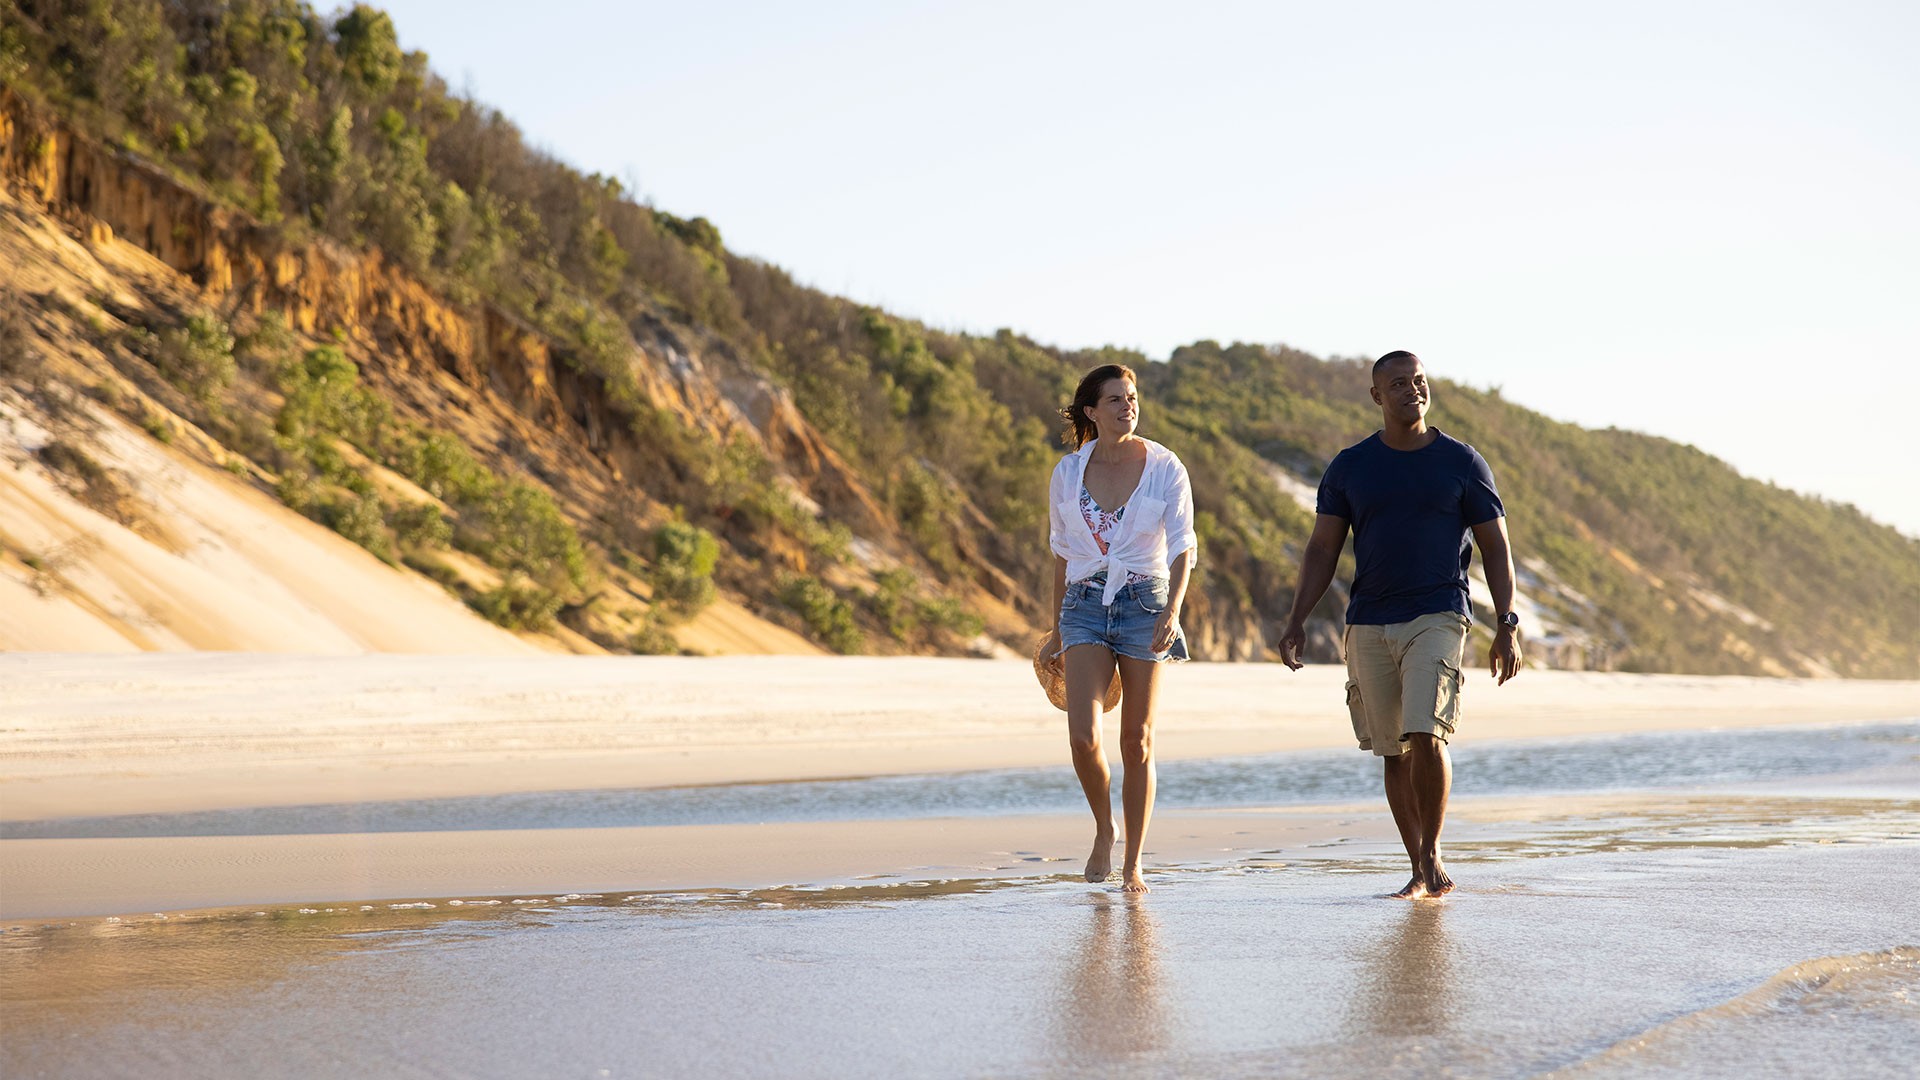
1412,494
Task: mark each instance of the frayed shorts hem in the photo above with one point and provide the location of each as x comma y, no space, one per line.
1175,655
1124,627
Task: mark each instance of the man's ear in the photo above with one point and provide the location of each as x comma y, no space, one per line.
1375,391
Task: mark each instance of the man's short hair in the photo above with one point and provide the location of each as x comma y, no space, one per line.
1397,354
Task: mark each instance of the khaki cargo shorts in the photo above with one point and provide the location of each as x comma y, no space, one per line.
1404,679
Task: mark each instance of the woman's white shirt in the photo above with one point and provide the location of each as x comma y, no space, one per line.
1158,525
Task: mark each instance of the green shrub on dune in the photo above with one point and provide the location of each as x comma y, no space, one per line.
684,557
828,618
518,606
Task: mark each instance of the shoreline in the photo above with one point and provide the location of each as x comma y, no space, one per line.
1561,948
97,736
92,735
102,877
114,876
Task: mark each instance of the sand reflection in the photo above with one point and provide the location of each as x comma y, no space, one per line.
1406,976
1110,1003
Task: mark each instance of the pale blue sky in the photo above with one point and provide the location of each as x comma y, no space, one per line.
1697,220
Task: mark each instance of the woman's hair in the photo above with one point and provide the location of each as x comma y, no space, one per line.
1080,430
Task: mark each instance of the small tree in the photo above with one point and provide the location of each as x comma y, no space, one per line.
527,534
827,616
198,358
369,50
684,556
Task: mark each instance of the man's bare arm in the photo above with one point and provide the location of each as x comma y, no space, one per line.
1496,559
1317,564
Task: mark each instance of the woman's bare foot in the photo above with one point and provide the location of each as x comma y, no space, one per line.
1435,881
1131,881
1414,889
1100,863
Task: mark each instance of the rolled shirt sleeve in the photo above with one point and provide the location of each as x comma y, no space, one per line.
1179,515
1056,527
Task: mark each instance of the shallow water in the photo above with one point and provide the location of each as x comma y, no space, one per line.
1766,926
1718,959
1629,762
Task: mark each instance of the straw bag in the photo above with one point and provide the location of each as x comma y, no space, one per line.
1052,673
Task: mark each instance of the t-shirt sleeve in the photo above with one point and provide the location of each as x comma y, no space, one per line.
1479,499
1333,491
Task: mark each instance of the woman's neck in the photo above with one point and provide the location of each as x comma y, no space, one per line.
1111,448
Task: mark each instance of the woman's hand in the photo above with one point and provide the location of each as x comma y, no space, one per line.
1164,629
1050,648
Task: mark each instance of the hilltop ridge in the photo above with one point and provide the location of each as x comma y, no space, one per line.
593,423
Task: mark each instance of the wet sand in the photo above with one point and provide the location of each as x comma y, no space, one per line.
115,875
106,876
1764,940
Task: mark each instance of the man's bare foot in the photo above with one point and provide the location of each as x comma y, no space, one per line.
1414,889
1436,881
1131,881
1100,863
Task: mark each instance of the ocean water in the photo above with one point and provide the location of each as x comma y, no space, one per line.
1763,925
1738,954
1769,756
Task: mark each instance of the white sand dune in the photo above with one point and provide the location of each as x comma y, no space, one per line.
237,571
214,562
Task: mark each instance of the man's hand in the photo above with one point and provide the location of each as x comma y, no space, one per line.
1164,628
1316,572
1292,640
1503,659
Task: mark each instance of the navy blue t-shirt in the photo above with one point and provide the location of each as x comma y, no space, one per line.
1411,511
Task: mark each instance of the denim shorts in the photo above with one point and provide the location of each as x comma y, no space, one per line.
1125,626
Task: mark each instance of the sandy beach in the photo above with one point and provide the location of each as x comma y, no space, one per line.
89,734
96,737
860,862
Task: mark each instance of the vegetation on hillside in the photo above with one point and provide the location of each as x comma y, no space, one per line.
321,126
1653,531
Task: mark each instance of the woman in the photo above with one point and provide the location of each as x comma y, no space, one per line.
1123,543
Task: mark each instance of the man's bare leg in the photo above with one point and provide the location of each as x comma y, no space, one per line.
1432,780
1406,815
1140,679
1089,671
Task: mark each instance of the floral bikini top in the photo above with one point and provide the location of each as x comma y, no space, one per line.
1102,523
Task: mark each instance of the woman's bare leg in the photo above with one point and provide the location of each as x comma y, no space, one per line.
1140,679
1089,670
